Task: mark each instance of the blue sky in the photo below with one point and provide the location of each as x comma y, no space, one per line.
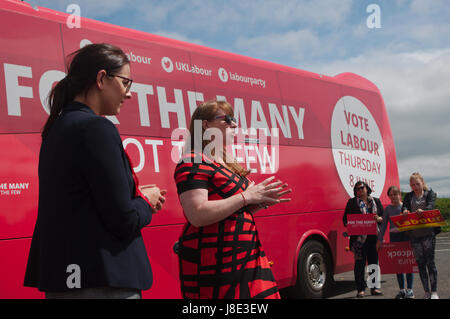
408,58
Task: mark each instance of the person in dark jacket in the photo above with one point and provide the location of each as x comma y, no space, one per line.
423,240
87,240
363,246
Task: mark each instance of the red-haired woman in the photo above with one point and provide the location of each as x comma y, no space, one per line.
220,253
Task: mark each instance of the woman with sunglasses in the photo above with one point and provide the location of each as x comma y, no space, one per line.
364,246
220,255
87,240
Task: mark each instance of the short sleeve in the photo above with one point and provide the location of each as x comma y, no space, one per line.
192,173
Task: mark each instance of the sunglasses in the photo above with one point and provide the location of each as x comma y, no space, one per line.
229,119
360,188
127,84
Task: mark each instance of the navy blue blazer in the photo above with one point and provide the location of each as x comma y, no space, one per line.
88,214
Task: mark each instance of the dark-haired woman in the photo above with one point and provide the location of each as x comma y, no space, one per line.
364,246
87,240
219,250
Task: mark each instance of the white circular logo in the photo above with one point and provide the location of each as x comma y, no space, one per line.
357,145
223,75
167,64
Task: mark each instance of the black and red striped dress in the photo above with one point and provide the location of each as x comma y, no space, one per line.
225,259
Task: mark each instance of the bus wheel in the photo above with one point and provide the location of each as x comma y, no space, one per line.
314,270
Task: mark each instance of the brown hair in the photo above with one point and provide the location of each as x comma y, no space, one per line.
81,75
207,111
393,189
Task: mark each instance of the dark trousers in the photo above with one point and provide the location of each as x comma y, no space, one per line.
423,248
401,280
370,255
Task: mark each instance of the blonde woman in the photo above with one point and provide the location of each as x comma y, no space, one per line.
423,240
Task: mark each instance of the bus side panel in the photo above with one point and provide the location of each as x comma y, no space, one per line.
318,98
159,242
29,47
14,258
19,184
280,245
313,179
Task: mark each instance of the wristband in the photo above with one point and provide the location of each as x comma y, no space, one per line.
243,197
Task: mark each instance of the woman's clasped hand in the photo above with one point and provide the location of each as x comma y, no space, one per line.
267,193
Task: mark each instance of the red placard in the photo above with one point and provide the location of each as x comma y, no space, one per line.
397,258
429,218
361,224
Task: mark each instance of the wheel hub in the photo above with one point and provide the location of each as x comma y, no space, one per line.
316,272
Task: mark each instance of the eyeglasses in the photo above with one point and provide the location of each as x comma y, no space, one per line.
360,188
127,84
229,119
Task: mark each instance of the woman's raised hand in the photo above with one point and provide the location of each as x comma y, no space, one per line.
267,192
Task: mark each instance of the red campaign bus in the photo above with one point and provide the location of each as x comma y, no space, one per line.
333,131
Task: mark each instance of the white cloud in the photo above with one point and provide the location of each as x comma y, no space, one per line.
330,13
178,36
235,17
293,44
427,7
